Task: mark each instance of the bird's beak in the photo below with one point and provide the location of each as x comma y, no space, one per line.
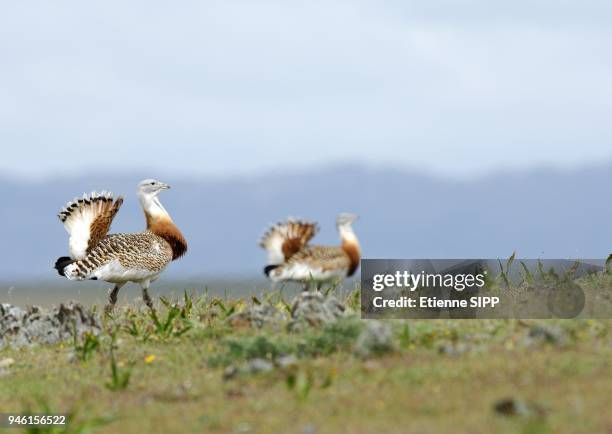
164,186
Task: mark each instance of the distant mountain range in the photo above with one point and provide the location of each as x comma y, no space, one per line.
542,213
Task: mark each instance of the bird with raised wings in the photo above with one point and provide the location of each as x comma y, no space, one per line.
291,258
119,258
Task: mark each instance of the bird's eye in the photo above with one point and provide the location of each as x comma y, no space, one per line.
153,183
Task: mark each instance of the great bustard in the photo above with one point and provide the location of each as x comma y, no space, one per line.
119,258
291,258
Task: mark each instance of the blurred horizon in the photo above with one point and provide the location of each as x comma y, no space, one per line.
539,213
138,173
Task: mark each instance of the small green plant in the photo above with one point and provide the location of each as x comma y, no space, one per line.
552,275
510,261
527,275
133,328
301,383
425,335
571,272
286,305
353,298
120,378
187,304
226,311
427,340
404,337
541,272
331,288
504,274
609,265
85,349
168,327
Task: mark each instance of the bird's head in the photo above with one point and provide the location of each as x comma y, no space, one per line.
346,220
147,195
151,188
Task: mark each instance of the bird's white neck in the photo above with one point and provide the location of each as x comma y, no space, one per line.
153,207
160,223
347,235
351,247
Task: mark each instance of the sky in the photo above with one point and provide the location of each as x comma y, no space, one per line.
223,88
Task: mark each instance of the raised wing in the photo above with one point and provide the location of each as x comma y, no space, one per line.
88,220
285,239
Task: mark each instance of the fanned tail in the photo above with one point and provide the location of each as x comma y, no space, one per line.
284,239
88,220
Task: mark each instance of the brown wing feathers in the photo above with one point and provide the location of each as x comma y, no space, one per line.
284,239
101,224
298,235
88,219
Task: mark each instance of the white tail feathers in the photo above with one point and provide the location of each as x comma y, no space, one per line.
84,215
284,239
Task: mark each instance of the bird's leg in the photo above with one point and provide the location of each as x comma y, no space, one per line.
112,298
145,294
147,298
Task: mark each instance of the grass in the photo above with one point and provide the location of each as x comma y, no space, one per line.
167,372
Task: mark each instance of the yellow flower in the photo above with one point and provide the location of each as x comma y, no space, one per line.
149,358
